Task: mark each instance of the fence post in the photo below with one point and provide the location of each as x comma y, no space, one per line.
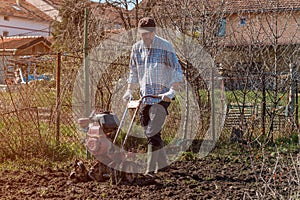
291,106
86,64
213,105
263,106
297,105
86,70
57,124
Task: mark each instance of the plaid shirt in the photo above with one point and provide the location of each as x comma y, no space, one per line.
155,69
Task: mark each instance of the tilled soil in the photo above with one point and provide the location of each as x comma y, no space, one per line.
213,177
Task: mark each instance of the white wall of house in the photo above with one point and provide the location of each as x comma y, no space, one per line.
13,26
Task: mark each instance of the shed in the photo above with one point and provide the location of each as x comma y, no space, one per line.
12,48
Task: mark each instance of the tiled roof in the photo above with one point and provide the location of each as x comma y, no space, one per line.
54,3
107,12
23,10
14,43
257,5
232,5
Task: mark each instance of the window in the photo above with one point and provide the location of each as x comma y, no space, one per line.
6,18
5,33
222,29
117,26
243,21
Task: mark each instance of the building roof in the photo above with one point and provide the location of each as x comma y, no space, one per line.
231,5
108,13
258,5
55,3
22,9
13,44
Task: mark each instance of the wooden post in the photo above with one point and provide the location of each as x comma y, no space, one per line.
4,67
263,106
58,70
297,105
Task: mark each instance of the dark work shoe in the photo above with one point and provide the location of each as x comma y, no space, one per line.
149,175
164,169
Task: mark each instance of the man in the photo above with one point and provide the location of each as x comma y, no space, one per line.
155,68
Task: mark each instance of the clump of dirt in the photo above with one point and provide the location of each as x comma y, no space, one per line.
217,176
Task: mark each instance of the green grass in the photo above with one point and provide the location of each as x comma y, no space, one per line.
254,97
38,141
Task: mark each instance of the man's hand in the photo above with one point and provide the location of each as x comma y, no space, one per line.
168,96
127,95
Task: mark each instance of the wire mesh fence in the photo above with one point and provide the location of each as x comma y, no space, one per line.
254,51
34,116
